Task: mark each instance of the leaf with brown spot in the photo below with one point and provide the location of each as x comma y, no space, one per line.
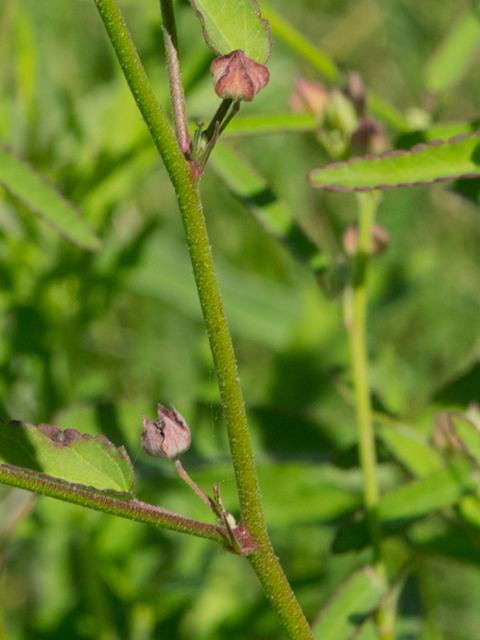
67,455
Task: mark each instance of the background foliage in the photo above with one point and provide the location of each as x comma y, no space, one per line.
89,340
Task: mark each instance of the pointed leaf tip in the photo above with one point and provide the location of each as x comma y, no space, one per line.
423,164
68,455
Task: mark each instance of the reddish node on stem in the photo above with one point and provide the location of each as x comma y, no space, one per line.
238,77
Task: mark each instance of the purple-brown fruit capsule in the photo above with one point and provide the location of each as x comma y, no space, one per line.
238,77
167,437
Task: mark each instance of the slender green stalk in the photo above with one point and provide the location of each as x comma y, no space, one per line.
217,119
359,358
358,352
264,561
175,75
130,509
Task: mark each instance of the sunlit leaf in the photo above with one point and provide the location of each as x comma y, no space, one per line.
408,446
26,185
469,435
403,506
229,25
449,61
270,123
347,610
436,161
67,455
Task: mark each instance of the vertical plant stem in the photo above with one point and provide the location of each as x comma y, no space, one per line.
175,75
359,359
264,560
358,353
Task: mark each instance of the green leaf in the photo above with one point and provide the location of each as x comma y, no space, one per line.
270,123
259,310
401,507
436,161
410,448
229,25
67,455
26,185
469,435
347,610
449,61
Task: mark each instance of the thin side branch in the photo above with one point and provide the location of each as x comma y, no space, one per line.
175,76
130,509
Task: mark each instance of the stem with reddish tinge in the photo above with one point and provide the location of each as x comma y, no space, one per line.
175,76
193,485
131,509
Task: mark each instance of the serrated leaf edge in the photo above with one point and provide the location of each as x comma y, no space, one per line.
394,153
51,431
77,485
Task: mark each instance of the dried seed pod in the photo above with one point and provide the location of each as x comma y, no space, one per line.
238,77
167,437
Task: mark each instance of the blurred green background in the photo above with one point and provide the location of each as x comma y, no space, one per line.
91,340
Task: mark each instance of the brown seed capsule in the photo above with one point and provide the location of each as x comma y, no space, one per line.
238,77
167,437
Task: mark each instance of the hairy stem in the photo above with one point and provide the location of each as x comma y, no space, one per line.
175,75
130,509
264,561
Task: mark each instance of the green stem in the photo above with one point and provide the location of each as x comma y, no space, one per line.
217,119
358,352
359,358
264,561
130,509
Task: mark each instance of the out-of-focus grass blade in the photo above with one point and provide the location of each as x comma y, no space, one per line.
449,61
347,610
403,506
26,185
436,161
324,64
438,131
298,42
254,192
270,123
410,449
262,311
469,435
